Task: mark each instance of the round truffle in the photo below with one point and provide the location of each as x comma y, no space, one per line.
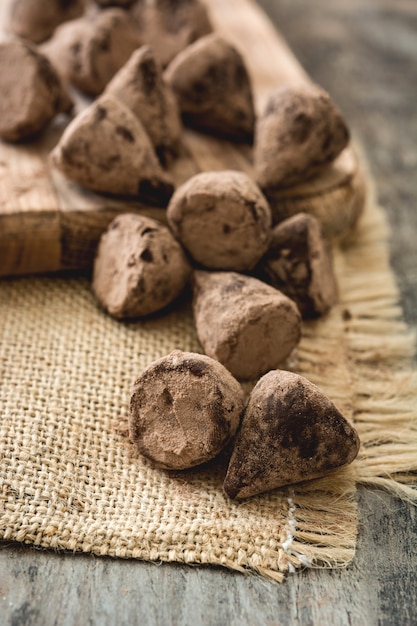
36,20
184,409
222,219
245,324
139,268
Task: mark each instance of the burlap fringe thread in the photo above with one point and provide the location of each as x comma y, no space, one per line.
362,356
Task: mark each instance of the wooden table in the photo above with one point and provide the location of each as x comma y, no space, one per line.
364,52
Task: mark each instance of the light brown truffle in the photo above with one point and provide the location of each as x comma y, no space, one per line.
213,88
300,132
139,267
140,86
88,52
107,149
169,26
245,324
36,20
184,409
299,264
31,93
222,219
290,432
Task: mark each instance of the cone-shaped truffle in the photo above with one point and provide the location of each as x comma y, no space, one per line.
169,26
213,88
222,219
298,263
140,86
245,324
31,93
36,20
184,409
290,432
107,149
300,132
139,268
88,52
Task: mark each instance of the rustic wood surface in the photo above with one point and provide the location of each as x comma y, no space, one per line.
364,52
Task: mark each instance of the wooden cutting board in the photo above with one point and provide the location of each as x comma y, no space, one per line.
49,224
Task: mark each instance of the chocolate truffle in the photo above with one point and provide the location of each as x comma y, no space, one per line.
290,432
139,268
299,264
222,219
36,20
88,52
300,132
169,26
31,93
140,86
106,148
184,409
245,324
213,88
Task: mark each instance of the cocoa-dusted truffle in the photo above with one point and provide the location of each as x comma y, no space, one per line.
245,324
36,20
300,132
213,88
299,263
139,267
140,86
107,149
87,52
222,219
290,432
169,26
184,409
31,93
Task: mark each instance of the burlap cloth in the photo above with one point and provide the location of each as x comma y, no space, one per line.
71,481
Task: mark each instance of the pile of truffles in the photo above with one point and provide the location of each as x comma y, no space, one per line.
150,67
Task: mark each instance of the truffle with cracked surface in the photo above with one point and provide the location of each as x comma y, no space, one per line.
222,219
139,267
299,263
184,409
244,323
290,432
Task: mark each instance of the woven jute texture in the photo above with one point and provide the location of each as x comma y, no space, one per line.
71,480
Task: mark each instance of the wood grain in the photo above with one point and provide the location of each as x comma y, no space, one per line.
48,223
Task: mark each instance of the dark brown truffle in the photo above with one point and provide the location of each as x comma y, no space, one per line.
290,432
299,263
139,268
245,324
88,52
107,149
140,86
184,409
213,88
222,219
31,93
300,132
36,20
169,26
